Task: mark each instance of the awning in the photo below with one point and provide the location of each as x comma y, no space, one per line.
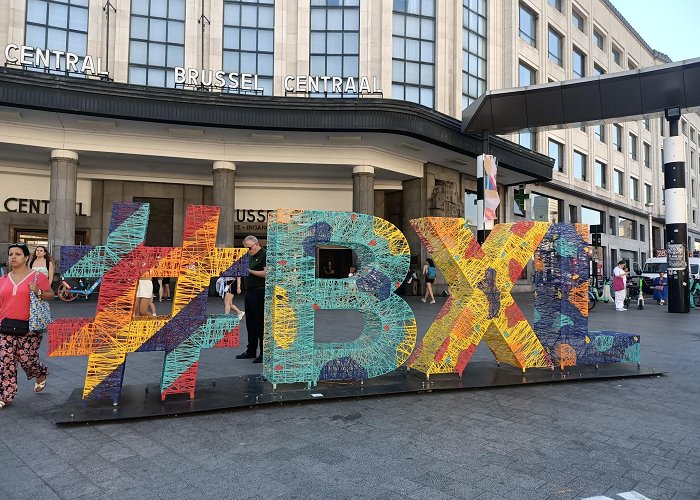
616,97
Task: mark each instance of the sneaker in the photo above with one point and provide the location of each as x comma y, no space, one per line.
620,310
258,359
246,355
432,301
240,315
154,314
423,300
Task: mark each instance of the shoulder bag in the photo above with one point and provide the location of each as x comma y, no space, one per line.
618,283
39,311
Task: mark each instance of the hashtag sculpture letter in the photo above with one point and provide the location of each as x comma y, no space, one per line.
480,305
293,294
114,332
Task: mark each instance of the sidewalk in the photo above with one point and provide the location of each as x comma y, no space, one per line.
562,441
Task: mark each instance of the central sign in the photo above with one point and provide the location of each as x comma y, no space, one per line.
34,57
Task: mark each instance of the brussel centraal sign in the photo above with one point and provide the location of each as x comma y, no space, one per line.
34,57
50,59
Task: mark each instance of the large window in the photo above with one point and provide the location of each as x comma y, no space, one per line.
598,39
526,139
248,39
555,3
157,41
528,25
617,56
625,228
591,216
617,137
335,42
619,182
556,43
58,25
580,166
633,146
526,75
413,73
578,63
556,151
545,208
647,155
473,50
634,189
600,132
601,174
578,20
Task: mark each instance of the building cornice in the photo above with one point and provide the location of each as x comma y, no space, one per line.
24,89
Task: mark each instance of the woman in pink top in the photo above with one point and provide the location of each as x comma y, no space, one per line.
15,288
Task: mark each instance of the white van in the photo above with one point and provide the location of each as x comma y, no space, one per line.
655,265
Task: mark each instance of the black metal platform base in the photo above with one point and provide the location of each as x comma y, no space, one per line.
143,401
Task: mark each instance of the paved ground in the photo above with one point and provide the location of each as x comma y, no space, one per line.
562,441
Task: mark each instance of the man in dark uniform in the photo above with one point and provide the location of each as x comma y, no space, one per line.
254,299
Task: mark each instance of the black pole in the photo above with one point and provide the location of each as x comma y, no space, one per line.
108,6
202,20
676,197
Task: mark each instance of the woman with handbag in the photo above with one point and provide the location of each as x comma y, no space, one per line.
19,338
620,286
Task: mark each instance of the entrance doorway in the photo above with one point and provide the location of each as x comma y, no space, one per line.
35,237
160,221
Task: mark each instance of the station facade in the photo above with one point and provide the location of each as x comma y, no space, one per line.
313,104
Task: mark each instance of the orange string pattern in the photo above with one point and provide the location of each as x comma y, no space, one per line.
480,305
114,331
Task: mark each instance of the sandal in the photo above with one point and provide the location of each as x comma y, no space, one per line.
39,386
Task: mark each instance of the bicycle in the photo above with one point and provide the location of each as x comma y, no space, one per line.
694,293
637,286
83,288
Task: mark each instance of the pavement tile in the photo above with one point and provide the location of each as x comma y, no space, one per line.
559,442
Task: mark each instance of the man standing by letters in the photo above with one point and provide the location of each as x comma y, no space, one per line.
254,299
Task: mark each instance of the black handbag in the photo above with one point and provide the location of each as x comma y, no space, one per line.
15,327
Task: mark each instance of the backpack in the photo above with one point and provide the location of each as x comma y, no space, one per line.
431,273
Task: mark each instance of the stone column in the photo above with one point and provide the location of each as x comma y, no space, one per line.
363,189
224,173
63,187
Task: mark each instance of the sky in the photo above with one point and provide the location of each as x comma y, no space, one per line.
669,26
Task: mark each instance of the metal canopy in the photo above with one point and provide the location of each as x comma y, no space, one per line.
629,95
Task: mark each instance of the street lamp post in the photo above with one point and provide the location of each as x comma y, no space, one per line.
650,207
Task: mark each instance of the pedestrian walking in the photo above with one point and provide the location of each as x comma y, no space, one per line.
17,343
430,274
